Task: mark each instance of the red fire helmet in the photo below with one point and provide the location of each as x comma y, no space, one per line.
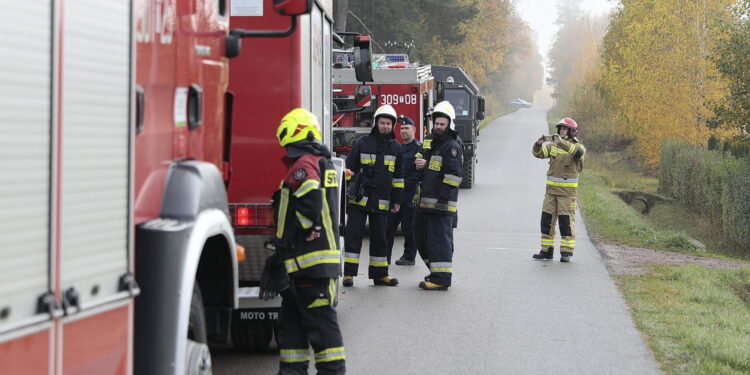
570,124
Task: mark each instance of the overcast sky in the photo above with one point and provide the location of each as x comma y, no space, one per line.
541,16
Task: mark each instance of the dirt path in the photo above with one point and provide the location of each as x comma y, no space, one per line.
627,260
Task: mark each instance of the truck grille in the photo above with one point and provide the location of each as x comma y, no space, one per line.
255,259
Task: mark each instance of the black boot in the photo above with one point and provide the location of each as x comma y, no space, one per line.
545,254
565,256
385,281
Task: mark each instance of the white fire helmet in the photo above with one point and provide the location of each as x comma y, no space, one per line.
445,109
386,111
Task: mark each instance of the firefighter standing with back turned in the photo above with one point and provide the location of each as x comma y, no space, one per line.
441,160
566,155
374,191
307,262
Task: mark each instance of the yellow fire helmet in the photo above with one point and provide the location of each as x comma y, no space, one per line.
298,125
445,109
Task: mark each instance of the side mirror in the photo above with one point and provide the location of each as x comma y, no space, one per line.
232,46
363,96
292,7
440,91
362,58
480,108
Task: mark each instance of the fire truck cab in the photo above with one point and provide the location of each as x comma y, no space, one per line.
275,73
456,87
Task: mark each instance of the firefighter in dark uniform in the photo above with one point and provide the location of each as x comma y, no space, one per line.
405,216
441,163
374,191
565,153
307,261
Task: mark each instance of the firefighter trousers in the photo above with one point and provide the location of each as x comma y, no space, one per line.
405,217
433,234
355,231
559,209
307,318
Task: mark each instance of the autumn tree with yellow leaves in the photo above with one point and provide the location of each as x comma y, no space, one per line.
658,76
651,78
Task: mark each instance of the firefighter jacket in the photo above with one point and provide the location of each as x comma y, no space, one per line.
377,159
442,175
411,174
305,200
565,165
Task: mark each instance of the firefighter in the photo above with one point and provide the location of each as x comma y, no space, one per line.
441,163
566,154
405,216
375,190
307,261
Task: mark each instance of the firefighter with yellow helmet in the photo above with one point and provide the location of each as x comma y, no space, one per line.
441,163
307,261
565,153
374,191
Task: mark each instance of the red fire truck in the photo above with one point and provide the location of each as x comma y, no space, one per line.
408,87
116,154
273,75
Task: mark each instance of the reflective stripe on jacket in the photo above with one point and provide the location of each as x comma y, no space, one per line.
380,161
442,175
565,165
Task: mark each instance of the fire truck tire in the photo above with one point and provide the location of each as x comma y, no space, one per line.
468,179
252,338
198,358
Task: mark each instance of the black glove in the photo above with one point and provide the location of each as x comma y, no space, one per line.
354,187
274,279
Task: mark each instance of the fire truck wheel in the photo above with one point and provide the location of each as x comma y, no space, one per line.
253,338
198,358
468,179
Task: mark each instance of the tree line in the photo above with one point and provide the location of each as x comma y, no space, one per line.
487,38
654,71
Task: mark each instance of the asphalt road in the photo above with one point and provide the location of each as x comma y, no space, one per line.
506,313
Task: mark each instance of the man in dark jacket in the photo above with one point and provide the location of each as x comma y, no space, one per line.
307,260
441,163
405,216
375,190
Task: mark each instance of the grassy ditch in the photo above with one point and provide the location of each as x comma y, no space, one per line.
668,226
695,318
603,175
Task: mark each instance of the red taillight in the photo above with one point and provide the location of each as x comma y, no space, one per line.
254,216
243,216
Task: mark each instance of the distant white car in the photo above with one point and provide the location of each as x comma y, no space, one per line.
520,103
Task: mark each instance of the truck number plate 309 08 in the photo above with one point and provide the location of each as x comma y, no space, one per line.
398,99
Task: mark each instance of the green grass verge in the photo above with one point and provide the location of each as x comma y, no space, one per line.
695,318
